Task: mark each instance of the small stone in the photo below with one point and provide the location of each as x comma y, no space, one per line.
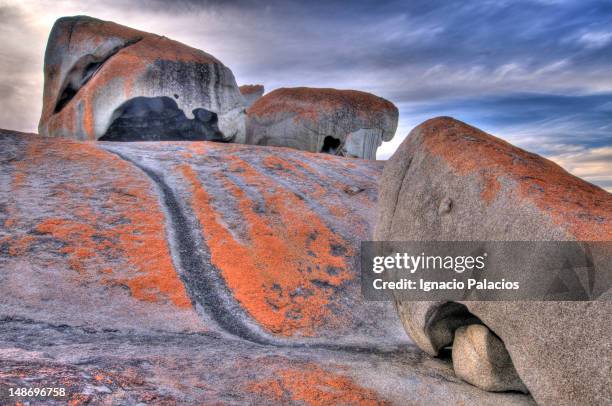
353,190
445,205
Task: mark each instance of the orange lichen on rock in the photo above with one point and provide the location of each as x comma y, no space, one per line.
306,103
20,168
127,226
250,89
491,187
582,208
129,64
19,179
311,385
285,274
19,246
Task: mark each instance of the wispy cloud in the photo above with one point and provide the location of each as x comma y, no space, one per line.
594,165
536,72
595,39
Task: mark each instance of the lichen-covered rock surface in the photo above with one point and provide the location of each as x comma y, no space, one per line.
111,82
199,273
449,181
251,93
339,122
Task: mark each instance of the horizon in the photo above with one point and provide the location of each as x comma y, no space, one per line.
538,77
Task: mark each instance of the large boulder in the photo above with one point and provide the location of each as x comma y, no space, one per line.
341,122
251,93
104,81
449,181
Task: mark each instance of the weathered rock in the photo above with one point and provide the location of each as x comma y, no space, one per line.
251,93
481,359
339,122
493,191
104,81
137,266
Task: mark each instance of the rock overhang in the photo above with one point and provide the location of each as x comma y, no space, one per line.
93,67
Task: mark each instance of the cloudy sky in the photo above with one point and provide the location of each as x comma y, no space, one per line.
537,73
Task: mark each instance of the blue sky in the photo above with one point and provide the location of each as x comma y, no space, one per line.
537,73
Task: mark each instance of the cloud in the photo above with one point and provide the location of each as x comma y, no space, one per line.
532,119
591,164
595,39
535,72
20,71
574,131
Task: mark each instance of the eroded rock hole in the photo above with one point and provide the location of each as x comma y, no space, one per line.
80,74
330,145
82,71
442,321
160,119
64,98
78,78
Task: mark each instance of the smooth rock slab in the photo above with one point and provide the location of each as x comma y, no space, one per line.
199,273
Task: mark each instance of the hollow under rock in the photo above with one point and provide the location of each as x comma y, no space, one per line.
160,119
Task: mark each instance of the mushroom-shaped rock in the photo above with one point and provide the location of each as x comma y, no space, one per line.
251,93
480,358
104,81
449,181
340,122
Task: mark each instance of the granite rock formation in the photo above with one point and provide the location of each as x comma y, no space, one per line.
199,273
493,191
338,122
251,93
480,358
104,81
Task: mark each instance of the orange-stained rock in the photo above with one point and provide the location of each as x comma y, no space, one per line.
309,384
198,273
251,93
491,190
281,231
102,78
85,231
339,122
275,231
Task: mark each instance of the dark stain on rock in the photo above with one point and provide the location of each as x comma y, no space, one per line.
337,250
160,119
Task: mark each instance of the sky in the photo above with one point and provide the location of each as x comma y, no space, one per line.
537,73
